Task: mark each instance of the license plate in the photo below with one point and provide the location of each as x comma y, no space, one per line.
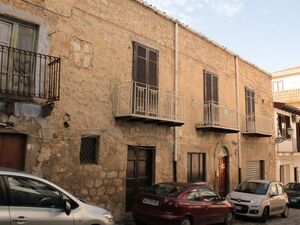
238,207
148,201
293,200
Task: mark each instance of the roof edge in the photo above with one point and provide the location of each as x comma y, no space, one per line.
188,28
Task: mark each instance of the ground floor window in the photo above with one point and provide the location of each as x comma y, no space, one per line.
255,169
196,167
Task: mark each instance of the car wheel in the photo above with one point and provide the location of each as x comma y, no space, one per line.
229,218
186,221
265,215
286,211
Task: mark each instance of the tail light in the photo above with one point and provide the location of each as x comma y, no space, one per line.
171,204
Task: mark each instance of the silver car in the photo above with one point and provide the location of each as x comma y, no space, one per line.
30,200
260,198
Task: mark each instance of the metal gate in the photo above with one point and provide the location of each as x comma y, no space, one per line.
255,169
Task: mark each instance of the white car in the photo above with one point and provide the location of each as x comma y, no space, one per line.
30,200
260,198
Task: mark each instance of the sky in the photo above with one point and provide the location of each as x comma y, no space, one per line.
264,32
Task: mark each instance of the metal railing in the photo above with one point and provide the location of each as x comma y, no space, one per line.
29,75
134,98
214,114
287,96
257,124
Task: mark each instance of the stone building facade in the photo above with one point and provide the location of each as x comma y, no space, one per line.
155,100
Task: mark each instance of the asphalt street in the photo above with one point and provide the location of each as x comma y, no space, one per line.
293,219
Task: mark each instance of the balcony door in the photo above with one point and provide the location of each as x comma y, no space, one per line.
298,136
16,66
145,80
211,99
250,109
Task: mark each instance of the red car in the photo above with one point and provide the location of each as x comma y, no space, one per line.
181,204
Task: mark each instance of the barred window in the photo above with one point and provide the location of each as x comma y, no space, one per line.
89,150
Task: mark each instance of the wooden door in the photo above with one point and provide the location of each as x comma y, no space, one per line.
298,136
12,151
139,173
223,176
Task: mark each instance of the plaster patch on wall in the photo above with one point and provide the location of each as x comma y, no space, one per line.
82,52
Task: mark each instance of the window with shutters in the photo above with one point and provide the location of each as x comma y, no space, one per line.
196,167
250,109
145,80
89,150
283,125
145,65
211,99
278,85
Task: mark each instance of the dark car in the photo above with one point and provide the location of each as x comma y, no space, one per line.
181,204
293,192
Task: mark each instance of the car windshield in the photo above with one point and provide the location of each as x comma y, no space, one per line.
164,189
293,187
253,188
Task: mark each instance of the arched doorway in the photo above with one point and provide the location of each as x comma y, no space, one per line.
223,167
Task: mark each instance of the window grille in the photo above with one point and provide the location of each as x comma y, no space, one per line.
88,150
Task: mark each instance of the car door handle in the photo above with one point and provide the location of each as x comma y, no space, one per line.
20,220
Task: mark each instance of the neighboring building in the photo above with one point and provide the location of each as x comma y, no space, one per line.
287,133
132,98
286,86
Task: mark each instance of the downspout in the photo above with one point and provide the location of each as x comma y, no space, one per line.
238,118
175,105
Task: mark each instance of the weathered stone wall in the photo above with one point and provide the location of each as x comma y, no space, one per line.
94,40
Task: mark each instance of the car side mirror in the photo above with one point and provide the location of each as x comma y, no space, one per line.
67,207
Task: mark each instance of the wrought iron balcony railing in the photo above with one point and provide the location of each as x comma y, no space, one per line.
138,101
216,117
28,75
257,126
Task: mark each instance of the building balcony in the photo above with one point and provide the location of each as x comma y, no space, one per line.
257,126
287,96
28,76
218,118
136,101
287,146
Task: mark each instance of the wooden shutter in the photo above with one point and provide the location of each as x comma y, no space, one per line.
153,68
5,33
215,96
140,63
211,89
145,65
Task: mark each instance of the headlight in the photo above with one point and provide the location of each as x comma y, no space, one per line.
109,217
255,201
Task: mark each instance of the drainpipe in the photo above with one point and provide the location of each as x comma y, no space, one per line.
238,118
175,105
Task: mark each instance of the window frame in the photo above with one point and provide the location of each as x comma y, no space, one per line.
283,119
96,150
3,192
214,92
201,164
15,23
9,197
250,97
278,85
147,61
